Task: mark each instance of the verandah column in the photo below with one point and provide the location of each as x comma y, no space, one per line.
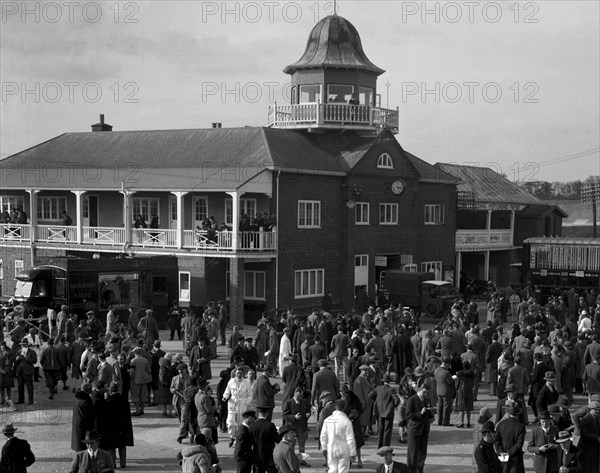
79,215
236,291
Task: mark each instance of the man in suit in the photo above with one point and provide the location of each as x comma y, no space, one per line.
296,412
317,352
51,367
589,427
324,380
418,413
485,456
265,437
386,400
284,457
548,394
510,437
389,465
445,391
244,443
140,377
570,458
16,453
25,358
93,459
543,445
540,368
290,376
263,392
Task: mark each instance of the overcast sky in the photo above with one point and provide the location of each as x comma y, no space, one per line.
511,85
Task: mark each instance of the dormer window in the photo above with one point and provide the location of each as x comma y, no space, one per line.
385,161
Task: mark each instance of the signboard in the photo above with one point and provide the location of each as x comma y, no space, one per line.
406,259
579,274
381,261
544,272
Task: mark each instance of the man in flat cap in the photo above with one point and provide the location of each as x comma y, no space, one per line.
362,388
286,461
263,392
386,400
510,439
244,443
389,465
484,454
324,380
265,437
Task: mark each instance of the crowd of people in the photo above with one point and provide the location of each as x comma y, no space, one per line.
360,374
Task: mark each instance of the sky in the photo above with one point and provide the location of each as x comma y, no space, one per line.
511,85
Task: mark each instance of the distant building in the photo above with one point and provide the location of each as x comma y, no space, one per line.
579,222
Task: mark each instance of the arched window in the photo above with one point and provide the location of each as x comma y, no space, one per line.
385,161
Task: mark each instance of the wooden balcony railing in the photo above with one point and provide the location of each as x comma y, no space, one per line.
148,237
15,231
324,114
50,233
224,241
104,236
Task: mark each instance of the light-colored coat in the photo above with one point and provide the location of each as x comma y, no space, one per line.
337,437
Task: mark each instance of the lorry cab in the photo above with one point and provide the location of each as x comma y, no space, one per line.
37,287
420,291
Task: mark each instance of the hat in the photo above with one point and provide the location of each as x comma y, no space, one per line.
384,451
488,426
550,376
286,428
156,343
181,367
485,414
9,429
249,413
544,415
563,436
86,388
594,405
364,367
91,436
249,339
25,341
553,409
202,383
310,335
89,313
325,394
446,359
374,359
567,344
514,410
419,371
323,362
114,386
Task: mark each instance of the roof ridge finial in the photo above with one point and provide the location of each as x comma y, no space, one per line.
335,7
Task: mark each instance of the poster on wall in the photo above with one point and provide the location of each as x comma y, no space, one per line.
119,290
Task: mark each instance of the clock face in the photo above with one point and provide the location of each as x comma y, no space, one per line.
398,187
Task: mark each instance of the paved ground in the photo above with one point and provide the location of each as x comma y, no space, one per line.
47,426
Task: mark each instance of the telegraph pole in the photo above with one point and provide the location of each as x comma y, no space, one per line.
590,195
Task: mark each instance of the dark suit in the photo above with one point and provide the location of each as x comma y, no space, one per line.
263,393
510,439
16,453
83,463
244,450
24,372
546,397
417,432
265,437
288,414
397,467
589,427
548,460
324,380
571,459
386,400
445,394
486,459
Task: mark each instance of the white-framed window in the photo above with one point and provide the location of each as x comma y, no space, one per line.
310,93
247,206
434,214
385,161
19,266
388,214
411,268
362,213
309,283
184,286
51,208
432,267
12,202
253,285
309,214
173,208
200,208
365,95
146,207
1,270
340,93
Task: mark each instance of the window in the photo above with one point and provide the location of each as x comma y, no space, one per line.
254,285
200,208
309,214
173,210
51,208
365,95
146,207
362,213
388,214
18,266
434,214
247,206
9,203
309,283
310,93
339,93
385,161
432,267
184,286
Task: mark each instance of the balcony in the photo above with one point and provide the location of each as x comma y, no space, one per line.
483,239
157,238
332,115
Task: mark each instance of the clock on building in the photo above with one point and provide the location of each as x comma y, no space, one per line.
398,187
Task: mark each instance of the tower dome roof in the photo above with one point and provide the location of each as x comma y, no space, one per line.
335,43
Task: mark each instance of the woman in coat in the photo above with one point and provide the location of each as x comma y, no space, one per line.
206,408
119,430
165,376
354,412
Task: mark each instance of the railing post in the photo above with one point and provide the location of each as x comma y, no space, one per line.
370,115
78,216
318,117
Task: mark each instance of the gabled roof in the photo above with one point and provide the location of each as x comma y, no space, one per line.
540,210
578,214
430,173
487,185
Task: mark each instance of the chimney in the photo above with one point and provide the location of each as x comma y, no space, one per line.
217,125
101,126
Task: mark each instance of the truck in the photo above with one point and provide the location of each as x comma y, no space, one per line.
420,291
95,284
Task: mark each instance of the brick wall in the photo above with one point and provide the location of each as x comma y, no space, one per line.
8,255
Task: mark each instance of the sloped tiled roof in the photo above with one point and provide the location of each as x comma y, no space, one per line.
487,185
429,172
537,210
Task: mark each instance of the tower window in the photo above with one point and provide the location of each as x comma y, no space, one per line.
365,95
339,93
310,93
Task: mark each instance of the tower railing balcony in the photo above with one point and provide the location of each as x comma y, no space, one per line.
332,115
